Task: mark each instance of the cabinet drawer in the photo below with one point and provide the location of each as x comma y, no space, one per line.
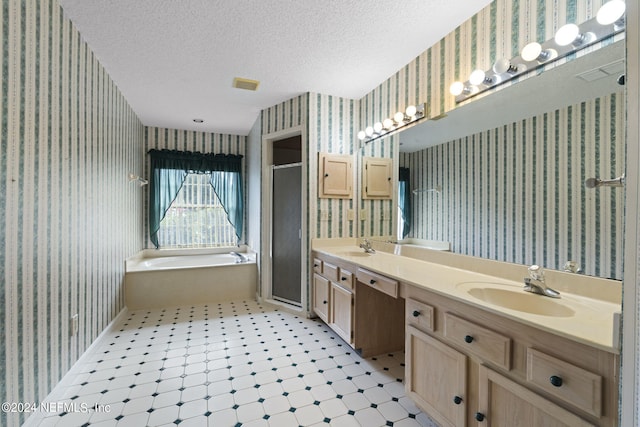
317,265
568,382
346,279
330,271
376,281
420,315
488,345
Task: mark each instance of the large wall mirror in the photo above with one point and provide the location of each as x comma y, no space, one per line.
503,176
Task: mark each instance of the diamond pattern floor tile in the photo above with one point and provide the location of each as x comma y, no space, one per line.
234,364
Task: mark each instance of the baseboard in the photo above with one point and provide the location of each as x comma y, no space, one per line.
58,391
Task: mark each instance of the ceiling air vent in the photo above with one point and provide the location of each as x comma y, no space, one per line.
246,84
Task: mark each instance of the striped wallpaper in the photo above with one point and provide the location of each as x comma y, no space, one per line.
69,215
517,194
331,130
186,140
500,30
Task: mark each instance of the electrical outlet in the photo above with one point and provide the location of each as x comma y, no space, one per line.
74,325
350,215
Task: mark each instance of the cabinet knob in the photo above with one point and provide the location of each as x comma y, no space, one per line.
343,278
416,313
555,381
326,175
479,416
389,179
457,400
372,282
315,266
468,339
324,302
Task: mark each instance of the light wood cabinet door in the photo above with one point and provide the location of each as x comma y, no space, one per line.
321,297
436,378
503,403
335,176
377,180
341,317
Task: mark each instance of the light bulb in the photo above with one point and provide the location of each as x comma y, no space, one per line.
477,77
531,52
411,110
567,34
456,88
610,12
368,131
502,66
387,123
377,127
361,135
399,117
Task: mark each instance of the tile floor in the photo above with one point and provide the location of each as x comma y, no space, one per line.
234,364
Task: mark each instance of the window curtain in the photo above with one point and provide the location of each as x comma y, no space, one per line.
169,169
404,200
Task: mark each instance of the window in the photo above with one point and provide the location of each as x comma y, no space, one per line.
196,218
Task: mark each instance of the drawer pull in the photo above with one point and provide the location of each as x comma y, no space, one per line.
315,266
457,400
372,282
468,339
416,313
555,381
343,278
479,416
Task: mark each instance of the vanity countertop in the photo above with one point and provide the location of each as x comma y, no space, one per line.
587,320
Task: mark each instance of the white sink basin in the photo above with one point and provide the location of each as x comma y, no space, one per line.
361,253
513,298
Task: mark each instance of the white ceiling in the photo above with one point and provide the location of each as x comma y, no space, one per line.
175,61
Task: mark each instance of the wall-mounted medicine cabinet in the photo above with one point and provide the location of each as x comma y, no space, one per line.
335,176
377,178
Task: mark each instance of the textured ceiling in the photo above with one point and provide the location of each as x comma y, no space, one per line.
175,60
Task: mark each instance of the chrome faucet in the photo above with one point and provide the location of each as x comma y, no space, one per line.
535,283
572,267
240,258
366,245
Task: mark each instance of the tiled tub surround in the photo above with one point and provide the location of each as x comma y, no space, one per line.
169,278
231,364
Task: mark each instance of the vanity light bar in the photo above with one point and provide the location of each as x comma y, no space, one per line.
388,126
570,38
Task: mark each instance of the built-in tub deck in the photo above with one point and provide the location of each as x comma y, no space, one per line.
159,278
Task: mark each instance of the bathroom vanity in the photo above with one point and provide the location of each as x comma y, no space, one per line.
479,350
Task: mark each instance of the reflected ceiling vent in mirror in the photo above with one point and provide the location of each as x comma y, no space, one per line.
411,115
246,84
569,39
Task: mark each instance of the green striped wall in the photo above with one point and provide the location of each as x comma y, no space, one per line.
499,30
69,215
331,130
328,123
186,140
516,193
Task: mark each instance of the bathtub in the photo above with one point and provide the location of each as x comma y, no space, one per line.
170,278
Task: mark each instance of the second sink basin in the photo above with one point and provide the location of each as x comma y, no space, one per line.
513,298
